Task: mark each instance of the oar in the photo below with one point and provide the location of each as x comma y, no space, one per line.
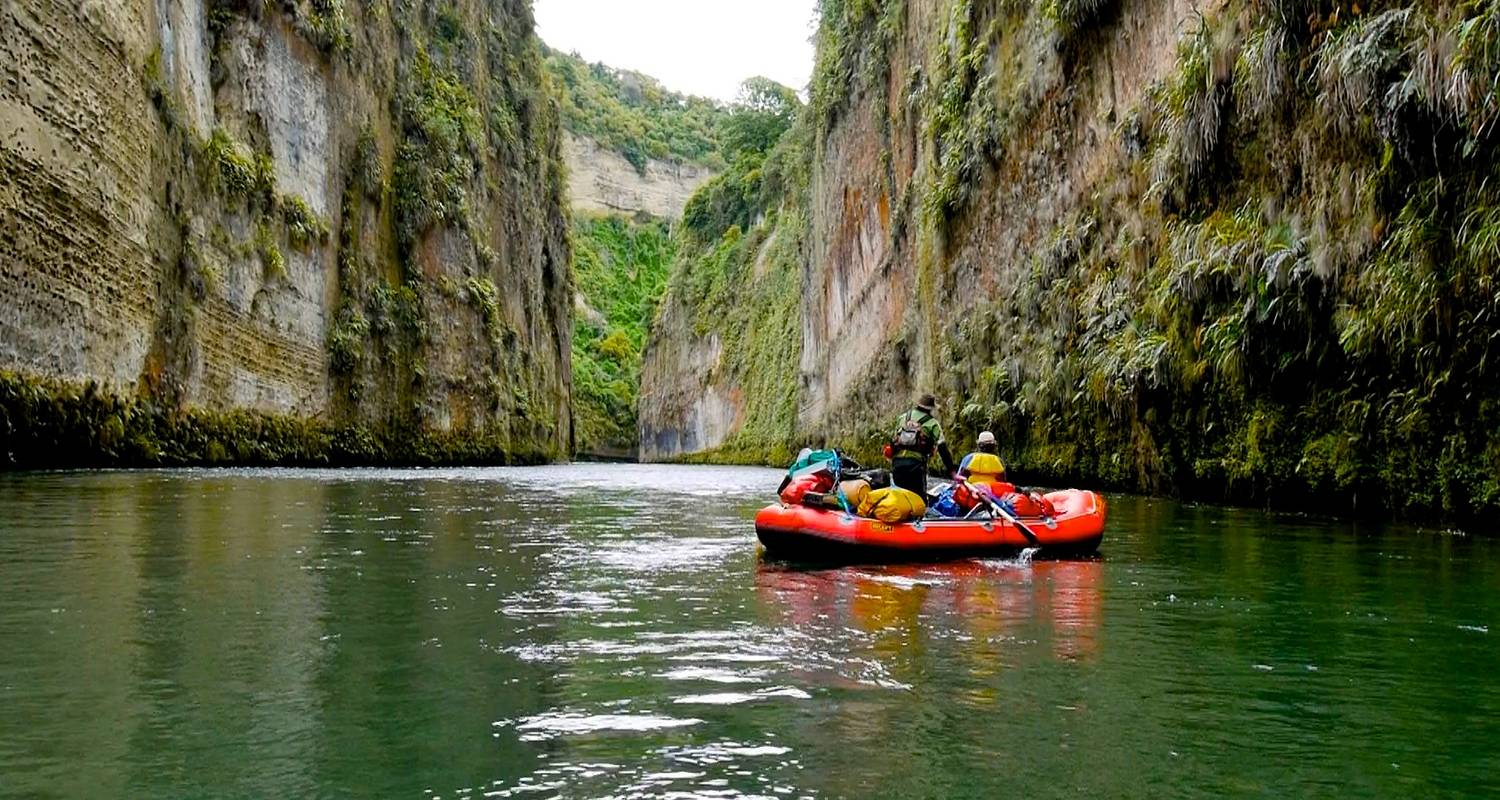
986,495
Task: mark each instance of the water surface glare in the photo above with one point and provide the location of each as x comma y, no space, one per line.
609,631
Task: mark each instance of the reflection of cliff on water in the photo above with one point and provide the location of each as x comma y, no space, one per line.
978,605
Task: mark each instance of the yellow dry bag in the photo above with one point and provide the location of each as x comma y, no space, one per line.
892,504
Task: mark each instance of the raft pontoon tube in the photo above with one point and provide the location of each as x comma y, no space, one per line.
802,533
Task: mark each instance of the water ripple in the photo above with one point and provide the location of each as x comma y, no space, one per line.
552,724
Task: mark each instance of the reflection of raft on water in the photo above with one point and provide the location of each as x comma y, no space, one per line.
798,532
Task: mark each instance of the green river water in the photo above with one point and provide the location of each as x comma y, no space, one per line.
609,631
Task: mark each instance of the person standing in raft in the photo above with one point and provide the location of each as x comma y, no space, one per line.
918,435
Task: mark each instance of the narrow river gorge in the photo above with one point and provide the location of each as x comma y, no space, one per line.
306,306
609,631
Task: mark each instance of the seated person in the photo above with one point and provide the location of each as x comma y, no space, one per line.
983,465
984,468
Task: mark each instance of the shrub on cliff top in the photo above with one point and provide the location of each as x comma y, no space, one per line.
728,200
634,115
763,111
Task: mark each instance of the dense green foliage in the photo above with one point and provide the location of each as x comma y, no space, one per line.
634,115
620,268
746,290
738,275
853,50
441,151
1283,289
324,23
760,115
1307,325
761,174
242,177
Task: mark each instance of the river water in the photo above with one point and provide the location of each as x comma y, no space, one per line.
593,631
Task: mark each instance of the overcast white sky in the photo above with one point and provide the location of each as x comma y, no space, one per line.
702,47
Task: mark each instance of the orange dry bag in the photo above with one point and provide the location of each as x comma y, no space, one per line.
796,491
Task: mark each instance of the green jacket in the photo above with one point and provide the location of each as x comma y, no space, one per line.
934,431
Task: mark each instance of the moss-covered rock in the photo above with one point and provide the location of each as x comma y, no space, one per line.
46,423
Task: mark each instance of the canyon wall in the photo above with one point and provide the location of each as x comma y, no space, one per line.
601,181
340,221
1235,250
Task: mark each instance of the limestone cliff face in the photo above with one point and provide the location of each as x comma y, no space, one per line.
689,411
347,213
601,181
1237,250
922,222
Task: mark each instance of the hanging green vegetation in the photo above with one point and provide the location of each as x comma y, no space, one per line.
620,268
1314,332
241,175
961,114
1190,112
1071,16
473,171
439,157
854,42
324,23
737,281
303,225
1278,286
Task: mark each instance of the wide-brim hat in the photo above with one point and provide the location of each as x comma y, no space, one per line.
927,403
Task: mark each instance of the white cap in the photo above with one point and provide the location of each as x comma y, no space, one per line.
986,438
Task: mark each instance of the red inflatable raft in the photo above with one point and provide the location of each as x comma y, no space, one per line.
802,533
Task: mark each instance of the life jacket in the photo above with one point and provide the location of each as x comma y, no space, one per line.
912,436
984,468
